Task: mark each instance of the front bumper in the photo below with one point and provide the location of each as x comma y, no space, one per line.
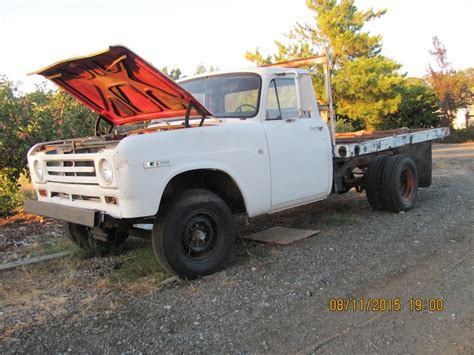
89,218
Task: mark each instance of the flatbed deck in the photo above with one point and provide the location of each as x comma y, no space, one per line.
354,144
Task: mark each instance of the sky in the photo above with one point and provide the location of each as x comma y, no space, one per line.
185,33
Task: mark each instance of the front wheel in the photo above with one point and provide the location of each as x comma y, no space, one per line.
194,236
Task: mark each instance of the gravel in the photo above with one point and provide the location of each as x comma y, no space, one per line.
21,232
273,299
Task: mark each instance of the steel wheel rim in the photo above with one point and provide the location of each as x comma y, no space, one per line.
199,236
407,184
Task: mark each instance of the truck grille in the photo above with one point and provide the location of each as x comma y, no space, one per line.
71,171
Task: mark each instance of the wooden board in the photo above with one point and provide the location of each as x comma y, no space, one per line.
37,259
281,235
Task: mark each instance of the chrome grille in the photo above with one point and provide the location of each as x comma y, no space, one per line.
70,171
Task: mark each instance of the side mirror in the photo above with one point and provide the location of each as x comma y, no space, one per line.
304,91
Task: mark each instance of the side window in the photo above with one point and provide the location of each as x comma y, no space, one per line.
282,103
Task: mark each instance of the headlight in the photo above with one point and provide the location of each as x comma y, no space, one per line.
38,170
106,171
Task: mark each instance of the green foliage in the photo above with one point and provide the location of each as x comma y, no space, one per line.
173,74
418,108
344,126
364,82
365,89
10,195
139,264
39,116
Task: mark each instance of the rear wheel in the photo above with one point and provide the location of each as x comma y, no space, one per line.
194,236
373,183
84,237
399,183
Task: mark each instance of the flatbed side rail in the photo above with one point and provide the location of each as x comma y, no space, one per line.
347,150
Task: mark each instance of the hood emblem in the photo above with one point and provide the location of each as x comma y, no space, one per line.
156,163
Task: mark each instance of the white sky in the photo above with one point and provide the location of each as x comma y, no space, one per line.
184,33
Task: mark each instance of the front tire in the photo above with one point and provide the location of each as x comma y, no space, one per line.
194,236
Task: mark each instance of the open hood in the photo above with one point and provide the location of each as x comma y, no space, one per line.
122,87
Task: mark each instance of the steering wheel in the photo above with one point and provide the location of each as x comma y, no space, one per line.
239,109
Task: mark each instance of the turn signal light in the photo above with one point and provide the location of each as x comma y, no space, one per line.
111,200
43,192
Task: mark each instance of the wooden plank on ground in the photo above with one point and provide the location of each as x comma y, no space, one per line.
281,235
37,259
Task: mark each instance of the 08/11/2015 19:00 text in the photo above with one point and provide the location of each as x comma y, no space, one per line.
385,304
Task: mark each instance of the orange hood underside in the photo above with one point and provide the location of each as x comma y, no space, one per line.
122,87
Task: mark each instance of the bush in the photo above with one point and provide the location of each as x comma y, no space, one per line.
10,195
344,126
418,108
460,136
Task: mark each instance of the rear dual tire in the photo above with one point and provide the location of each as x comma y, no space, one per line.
392,183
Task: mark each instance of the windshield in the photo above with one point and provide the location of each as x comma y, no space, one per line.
229,95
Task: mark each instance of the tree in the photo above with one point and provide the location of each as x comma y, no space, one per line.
173,74
39,116
453,88
201,68
418,108
364,81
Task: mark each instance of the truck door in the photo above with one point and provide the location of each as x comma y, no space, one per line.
299,148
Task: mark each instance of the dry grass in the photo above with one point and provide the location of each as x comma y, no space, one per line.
9,331
55,287
441,165
74,286
141,287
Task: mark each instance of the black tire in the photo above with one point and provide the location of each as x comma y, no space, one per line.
82,236
194,236
399,183
373,183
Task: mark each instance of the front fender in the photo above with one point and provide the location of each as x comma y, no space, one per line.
236,152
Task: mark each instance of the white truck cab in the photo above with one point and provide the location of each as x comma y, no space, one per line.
208,147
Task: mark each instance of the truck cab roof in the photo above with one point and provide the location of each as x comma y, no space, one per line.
262,71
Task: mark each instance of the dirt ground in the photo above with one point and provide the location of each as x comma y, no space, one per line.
270,299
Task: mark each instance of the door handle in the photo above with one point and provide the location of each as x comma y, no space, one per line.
316,127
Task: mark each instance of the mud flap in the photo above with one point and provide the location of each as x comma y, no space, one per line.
420,153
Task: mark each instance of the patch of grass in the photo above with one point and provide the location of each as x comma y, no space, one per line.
53,247
67,264
139,264
335,219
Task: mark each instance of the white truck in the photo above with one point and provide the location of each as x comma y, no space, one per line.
212,146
